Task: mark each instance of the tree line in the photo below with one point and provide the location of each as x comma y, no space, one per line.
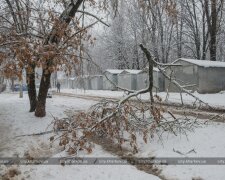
52,34
170,29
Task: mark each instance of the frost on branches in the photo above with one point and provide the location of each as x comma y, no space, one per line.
122,121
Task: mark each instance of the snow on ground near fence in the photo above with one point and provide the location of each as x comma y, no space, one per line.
217,100
207,141
15,120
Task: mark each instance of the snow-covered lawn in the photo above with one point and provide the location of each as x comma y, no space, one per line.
15,120
217,100
207,141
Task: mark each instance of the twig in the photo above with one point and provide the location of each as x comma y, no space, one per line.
41,133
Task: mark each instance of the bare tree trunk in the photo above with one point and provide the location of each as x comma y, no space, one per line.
42,95
213,30
196,37
150,75
179,39
31,88
212,26
205,35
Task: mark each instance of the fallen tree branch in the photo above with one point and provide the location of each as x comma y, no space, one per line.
182,89
92,15
122,121
36,134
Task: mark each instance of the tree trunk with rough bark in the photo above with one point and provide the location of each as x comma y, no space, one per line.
65,19
150,71
213,30
212,26
31,87
42,95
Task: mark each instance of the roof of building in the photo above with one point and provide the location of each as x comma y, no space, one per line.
131,71
114,71
146,69
202,63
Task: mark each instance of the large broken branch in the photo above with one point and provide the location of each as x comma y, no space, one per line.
150,70
92,15
182,88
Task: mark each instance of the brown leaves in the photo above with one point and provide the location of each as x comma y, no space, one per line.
88,149
88,134
74,134
51,138
135,149
156,113
64,141
145,135
133,137
158,98
11,173
71,151
35,45
105,120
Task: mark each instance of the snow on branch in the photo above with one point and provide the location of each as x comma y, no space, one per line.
182,88
92,15
123,121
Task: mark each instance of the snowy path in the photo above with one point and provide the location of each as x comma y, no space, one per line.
15,120
217,100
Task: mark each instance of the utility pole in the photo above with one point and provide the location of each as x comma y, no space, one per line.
81,46
21,88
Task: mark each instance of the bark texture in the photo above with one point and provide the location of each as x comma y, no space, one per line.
65,19
32,94
150,69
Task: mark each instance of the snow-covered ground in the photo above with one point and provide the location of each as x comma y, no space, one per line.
15,120
217,100
207,141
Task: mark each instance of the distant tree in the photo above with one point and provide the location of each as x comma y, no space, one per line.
213,10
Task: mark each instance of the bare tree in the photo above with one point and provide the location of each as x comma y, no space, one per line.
213,9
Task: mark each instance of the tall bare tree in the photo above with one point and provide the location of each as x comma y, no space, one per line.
213,10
